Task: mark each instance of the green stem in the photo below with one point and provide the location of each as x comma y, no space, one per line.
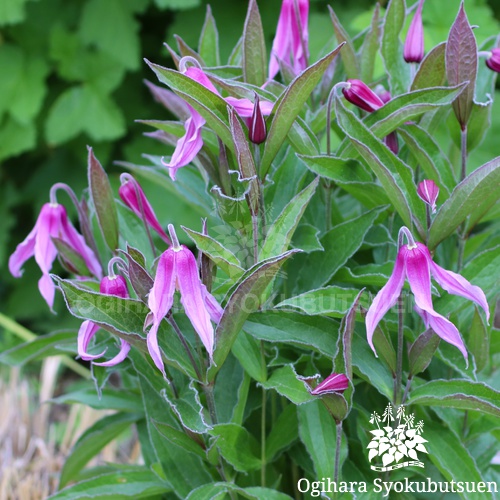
407,389
26,335
463,151
263,424
336,471
399,359
328,205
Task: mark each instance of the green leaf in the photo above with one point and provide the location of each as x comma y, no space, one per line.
318,433
252,285
119,38
111,399
119,485
422,351
16,139
392,49
177,4
104,203
306,238
220,255
432,70
254,47
461,64
289,105
479,341
285,382
208,46
237,446
394,175
12,12
474,196
347,54
92,441
247,350
70,258
450,456
317,333
461,394
211,106
280,233
180,438
41,347
333,301
370,47
340,243
283,433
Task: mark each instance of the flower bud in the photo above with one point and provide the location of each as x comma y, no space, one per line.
428,192
114,285
336,382
414,45
257,131
359,94
493,61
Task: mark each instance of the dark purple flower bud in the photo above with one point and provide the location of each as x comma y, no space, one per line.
257,131
336,382
359,94
391,141
384,94
428,192
414,45
493,61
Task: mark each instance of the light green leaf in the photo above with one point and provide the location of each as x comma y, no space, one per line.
208,46
254,47
111,399
15,138
284,432
285,382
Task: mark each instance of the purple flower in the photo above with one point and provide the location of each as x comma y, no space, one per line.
177,269
291,40
336,382
428,192
414,45
133,196
52,222
110,285
362,96
493,60
189,145
414,262
257,131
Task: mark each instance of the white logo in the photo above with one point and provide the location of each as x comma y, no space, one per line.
396,440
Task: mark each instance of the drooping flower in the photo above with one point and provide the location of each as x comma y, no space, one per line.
493,60
177,269
52,222
257,131
336,382
133,196
414,262
428,192
110,285
291,40
189,145
414,44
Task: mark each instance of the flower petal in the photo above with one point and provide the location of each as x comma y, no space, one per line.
85,334
386,298
47,289
124,349
457,285
213,307
49,224
282,43
23,251
336,382
192,297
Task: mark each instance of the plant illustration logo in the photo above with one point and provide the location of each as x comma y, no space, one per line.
396,439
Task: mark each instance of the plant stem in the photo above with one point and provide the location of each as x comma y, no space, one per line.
428,214
336,471
399,359
463,150
255,235
144,221
328,205
263,424
407,389
26,335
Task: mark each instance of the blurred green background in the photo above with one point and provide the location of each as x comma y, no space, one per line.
71,75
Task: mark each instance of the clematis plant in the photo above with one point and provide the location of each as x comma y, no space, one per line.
298,259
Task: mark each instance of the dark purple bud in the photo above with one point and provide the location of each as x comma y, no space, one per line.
391,141
257,131
493,61
359,94
336,382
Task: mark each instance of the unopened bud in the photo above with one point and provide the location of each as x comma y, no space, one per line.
257,131
428,192
359,94
336,382
414,45
493,61
114,285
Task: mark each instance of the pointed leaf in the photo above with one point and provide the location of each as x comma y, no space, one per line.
208,46
254,47
104,203
285,382
422,351
479,341
348,54
370,47
432,70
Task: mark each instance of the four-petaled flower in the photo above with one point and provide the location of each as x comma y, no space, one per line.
177,269
52,222
291,40
414,262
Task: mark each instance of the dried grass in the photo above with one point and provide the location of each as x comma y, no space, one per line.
31,454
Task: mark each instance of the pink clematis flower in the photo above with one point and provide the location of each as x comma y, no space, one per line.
493,60
428,192
414,262
413,50
177,269
133,196
189,145
52,222
336,382
110,285
362,96
291,40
